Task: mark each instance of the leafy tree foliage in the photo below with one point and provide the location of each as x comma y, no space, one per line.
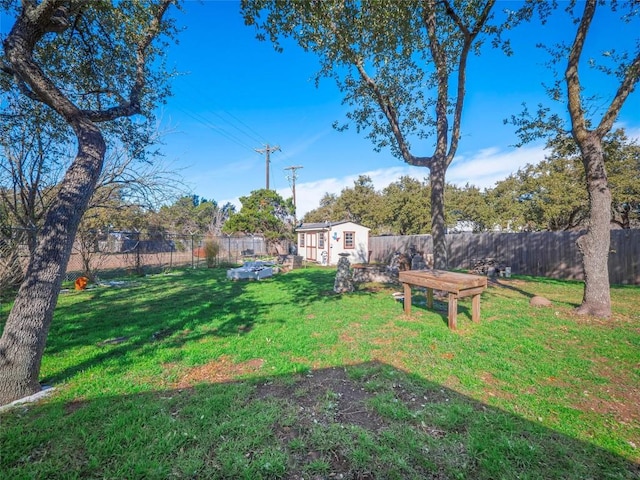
622,161
404,204
191,214
467,207
505,203
94,66
361,204
264,212
623,170
548,195
326,212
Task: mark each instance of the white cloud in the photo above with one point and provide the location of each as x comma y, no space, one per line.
486,167
296,150
633,133
308,194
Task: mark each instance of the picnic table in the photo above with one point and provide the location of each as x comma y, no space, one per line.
456,284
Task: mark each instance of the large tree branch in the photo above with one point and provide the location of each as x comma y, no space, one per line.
31,25
383,101
456,18
51,15
626,87
572,78
440,60
469,38
392,117
132,106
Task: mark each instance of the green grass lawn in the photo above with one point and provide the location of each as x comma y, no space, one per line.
189,375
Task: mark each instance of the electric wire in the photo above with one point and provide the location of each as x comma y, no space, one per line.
201,119
246,131
259,138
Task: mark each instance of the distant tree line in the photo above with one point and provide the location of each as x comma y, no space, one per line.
547,196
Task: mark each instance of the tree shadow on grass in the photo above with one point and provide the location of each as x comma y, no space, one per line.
308,285
513,285
165,312
441,307
365,421
141,309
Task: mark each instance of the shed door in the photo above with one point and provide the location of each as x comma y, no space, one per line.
312,246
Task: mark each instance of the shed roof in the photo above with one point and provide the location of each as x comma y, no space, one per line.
324,225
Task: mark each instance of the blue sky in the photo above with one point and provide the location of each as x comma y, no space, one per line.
235,94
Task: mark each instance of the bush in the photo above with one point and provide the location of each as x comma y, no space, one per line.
211,251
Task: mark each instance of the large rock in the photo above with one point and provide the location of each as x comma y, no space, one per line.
344,280
538,301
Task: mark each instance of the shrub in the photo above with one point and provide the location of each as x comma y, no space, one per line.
211,250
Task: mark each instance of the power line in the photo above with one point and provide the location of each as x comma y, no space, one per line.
246,131
229,136
241,128
259,137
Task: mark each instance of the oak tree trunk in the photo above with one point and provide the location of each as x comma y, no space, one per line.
437,181
25,333
594,245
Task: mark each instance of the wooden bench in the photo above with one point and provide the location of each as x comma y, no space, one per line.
456,284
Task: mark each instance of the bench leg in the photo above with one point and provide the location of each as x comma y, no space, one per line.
430,298
407,298
475,308
453,311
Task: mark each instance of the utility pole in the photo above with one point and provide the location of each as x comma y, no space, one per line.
268,150
292,179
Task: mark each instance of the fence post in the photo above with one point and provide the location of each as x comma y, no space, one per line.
171,245
193,265
138,259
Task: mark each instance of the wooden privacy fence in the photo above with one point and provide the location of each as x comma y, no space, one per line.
544,254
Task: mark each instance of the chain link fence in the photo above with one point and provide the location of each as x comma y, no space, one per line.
103,253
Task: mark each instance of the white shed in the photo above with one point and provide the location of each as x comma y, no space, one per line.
323,242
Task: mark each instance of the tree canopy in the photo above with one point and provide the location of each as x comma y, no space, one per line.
266,213
93,66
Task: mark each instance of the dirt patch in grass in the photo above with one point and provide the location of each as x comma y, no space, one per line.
618,397
326,395
321,400
218,371
331,400
493,388
623,410
346,338
74,406
616,320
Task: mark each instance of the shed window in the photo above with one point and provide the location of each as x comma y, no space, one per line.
349,240
321,240
301,241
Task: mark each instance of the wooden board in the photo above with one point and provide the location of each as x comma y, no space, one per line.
442,280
